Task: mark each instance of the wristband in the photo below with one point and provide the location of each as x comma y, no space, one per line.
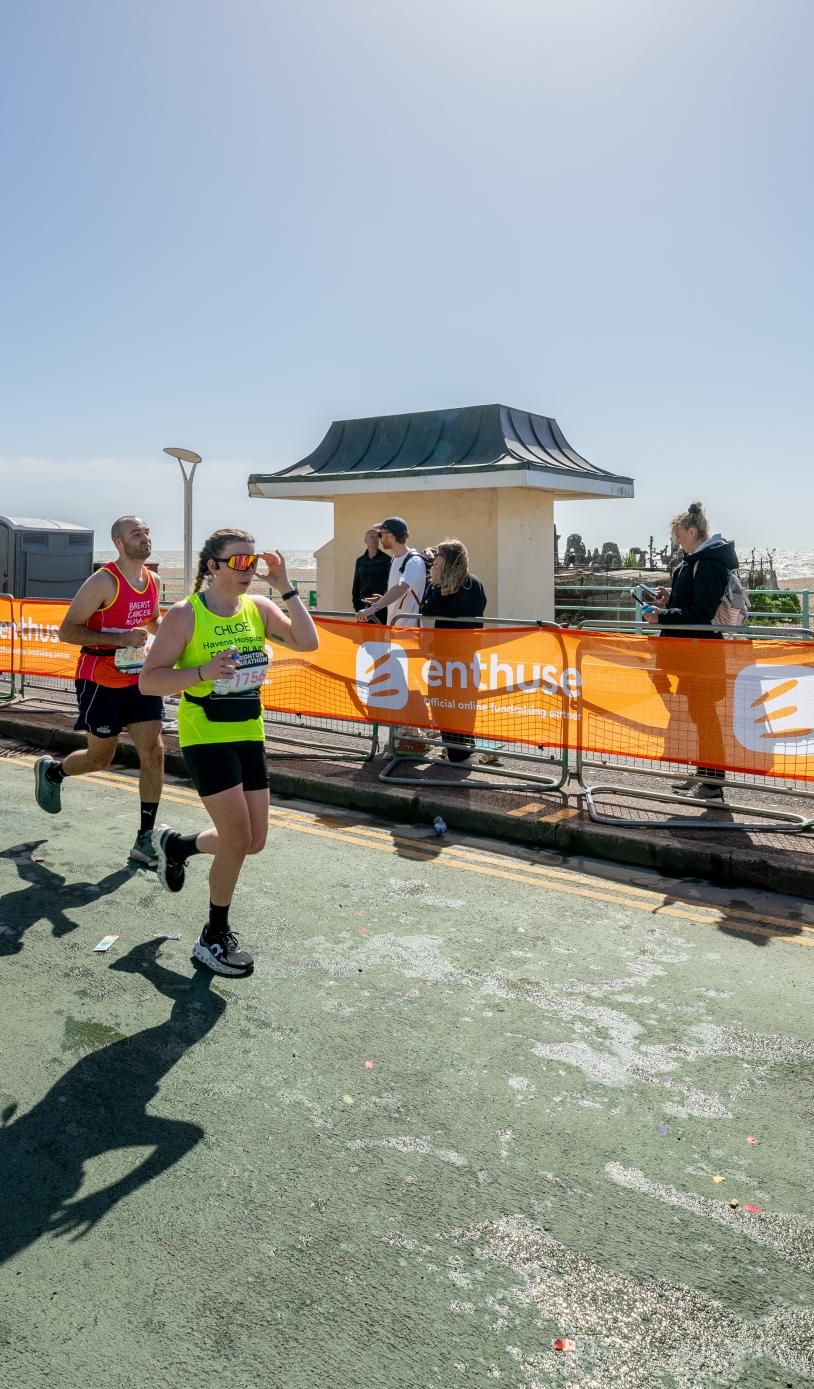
292,593
200,677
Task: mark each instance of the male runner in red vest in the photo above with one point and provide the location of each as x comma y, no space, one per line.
110,619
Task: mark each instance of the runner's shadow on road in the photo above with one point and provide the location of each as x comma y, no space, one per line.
47,896
98,1106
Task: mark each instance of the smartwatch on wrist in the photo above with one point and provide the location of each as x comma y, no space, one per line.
293,592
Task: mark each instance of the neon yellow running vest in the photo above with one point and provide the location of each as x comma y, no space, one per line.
246,632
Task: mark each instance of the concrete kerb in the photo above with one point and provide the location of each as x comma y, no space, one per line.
338,785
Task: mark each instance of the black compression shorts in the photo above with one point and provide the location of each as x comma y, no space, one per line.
218,767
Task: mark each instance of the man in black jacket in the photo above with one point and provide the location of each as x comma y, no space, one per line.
371,575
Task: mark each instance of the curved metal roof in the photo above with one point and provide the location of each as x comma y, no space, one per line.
472,439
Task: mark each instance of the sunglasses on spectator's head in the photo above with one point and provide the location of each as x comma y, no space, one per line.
239,562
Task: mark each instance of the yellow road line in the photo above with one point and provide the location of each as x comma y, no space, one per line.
551,817
571,884
557,876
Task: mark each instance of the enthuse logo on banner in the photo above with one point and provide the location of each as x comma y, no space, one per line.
381,675
774,710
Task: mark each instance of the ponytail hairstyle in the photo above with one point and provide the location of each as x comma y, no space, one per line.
455,560
694,516
212,550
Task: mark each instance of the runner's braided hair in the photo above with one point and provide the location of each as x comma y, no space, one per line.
212,550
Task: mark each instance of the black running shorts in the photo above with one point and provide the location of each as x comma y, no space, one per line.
104,712
218,767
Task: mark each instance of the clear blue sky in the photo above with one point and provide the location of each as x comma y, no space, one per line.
226,224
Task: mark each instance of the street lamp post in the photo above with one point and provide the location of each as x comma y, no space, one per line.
186,456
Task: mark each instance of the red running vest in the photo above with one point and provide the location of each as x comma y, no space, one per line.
131,607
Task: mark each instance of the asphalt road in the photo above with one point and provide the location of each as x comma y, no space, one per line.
474,1101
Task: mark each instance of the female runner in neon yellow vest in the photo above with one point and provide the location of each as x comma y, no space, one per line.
211,648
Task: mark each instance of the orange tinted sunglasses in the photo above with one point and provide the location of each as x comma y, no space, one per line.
239,562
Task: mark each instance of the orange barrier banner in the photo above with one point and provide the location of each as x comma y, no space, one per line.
739,705
38,649
518,684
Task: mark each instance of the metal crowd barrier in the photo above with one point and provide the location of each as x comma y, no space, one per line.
491,751
769,820
364,735
7,677
532,763
338,737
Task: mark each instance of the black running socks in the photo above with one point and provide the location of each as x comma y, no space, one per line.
180,847
56,773
218,920
149,810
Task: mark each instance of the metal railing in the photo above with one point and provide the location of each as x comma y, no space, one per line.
571,612
339,738
493,753
774,820
172,589
544,765
359,740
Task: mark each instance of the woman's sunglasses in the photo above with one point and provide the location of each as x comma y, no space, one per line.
239,562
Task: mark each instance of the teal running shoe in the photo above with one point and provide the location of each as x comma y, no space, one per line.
47,792
144,850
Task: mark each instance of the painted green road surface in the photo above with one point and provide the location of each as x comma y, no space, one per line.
471,1102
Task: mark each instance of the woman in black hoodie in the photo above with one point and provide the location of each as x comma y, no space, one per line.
698,586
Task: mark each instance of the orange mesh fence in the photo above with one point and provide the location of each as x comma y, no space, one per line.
739,705
735,705
38,650
502,685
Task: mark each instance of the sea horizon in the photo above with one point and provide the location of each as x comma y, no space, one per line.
789,562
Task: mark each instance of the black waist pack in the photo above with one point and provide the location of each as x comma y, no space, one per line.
228,708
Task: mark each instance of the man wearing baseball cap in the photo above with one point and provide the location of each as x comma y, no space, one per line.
408,573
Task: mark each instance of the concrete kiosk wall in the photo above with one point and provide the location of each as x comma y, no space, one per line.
500,528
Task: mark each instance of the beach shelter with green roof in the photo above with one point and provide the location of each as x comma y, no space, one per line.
487,474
